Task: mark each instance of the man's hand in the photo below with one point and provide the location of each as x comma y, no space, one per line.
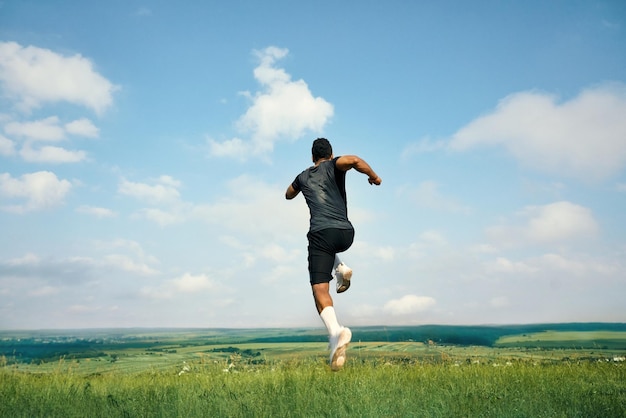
375,180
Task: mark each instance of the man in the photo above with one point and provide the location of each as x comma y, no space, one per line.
324,188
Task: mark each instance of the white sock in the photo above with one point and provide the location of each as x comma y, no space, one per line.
330,320
337,262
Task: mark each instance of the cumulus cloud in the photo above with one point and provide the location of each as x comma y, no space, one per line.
96,211
82,127
32,271
163,190
186,284
32,77
7,147
250,200
408,304
37,191
504,265
551,265
558,222
129,264
46,130
164,217
51,154
283,109
189,283
584,137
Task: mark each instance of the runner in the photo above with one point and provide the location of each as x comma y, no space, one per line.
324,188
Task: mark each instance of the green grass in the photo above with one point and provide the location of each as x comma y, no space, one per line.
307,388
544,374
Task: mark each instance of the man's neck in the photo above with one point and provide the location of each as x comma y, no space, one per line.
321,160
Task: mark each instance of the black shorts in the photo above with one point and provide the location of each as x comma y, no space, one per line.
323,245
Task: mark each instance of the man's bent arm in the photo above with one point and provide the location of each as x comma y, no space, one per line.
291,192
346,162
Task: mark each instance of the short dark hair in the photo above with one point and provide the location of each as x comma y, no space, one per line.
321,149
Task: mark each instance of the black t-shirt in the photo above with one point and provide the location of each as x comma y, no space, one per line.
324,188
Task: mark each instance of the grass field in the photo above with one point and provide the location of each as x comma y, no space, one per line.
247,374
571,339
365,388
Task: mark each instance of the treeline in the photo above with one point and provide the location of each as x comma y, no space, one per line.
27,351
481,335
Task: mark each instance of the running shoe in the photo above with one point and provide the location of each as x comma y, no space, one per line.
338,345
343,274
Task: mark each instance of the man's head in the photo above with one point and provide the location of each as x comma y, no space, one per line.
321,149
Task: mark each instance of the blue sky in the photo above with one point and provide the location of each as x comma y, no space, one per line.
145,148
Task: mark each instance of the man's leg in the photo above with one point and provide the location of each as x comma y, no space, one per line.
322,297
321,259
324,305
339,336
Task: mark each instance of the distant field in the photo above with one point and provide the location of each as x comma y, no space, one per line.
568,339
136,350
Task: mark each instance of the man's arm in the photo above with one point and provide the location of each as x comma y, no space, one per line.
291,192
346,162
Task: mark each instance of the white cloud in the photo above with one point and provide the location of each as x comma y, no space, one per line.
249,201
82,127
234,148
186,284
7,147
96,211
130,245
51,154
189,283
283,109
584,137
39,190
165,190
126,263
276,253
502,265
558,222
47,129
551,265
408,304
33,76
27,259
432,238
163,217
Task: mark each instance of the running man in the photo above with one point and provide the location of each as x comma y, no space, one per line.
324,188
